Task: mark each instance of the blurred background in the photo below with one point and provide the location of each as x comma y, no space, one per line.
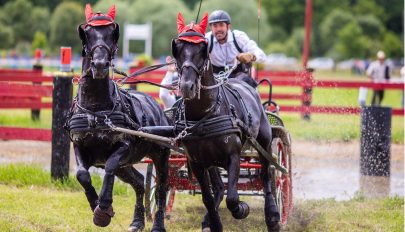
346,34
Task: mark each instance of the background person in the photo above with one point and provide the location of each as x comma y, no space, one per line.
379,71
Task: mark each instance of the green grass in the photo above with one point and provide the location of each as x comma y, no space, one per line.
20,175
30,201
358,214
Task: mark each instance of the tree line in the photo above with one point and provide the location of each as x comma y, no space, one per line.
341,29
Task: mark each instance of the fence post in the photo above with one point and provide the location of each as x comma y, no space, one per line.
307,94
61,102
375,141
35,113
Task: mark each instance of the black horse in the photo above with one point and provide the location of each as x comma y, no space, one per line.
207,125
101,104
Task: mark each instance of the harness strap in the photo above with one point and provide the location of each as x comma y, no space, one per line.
239,98
141,71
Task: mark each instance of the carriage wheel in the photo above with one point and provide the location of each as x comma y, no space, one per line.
150,190
281,183
169,202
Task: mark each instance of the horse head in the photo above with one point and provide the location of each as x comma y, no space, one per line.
99,36
190,49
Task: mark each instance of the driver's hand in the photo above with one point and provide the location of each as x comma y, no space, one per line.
172,67
246,57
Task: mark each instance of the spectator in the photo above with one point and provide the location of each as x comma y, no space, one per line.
379,71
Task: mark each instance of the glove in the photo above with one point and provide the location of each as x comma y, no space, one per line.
246,57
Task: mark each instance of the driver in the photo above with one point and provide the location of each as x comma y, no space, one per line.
225,45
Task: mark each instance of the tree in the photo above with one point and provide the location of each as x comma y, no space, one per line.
6,36
352,42
287,14
392,45
26,19
40,19
39,41
19,15
394,20
191,4
163,15
371,26
329,28
244,20
366,7
64,21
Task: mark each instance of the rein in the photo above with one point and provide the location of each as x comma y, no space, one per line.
141,71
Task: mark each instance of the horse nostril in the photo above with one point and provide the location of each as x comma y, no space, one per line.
92,63
192,87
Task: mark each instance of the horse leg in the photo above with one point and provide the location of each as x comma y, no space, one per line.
239,209
104,211
161,163
83,176
217,187
131,176
272,216
208,200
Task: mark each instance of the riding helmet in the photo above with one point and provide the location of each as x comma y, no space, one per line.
219,16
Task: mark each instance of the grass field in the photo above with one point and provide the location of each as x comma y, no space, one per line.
30,201
322,127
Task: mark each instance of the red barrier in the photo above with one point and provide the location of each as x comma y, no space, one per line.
12,133
302,79
17,91
22,89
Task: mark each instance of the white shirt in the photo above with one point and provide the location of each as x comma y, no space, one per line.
224,54
168,98
377,71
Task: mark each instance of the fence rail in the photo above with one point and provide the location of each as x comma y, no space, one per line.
26,89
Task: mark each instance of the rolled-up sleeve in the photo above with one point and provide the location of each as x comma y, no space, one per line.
248,45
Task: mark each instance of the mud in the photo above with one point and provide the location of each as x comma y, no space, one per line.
320,170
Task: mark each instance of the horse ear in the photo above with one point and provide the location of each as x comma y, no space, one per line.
116,32
174,48
82,36
204,23
88,12
180,22
207,52
111,12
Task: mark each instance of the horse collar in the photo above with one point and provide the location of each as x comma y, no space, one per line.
116,100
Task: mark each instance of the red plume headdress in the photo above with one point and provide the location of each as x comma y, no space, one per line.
99,19
192,27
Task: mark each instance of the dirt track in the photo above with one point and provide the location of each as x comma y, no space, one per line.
320,170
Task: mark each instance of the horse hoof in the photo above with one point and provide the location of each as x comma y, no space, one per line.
135,229
242,211
158,230
274,227
102,218
206,229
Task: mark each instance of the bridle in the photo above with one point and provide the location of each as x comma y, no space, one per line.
111,51
88,53
221,79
